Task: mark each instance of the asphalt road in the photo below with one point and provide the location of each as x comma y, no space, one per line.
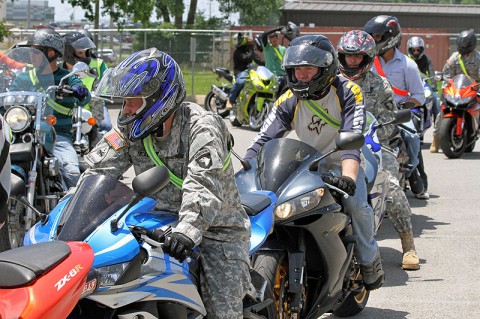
445,231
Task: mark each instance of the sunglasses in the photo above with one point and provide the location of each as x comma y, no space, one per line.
415,50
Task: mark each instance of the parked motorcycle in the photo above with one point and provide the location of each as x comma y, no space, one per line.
308,258
137,278
459,128
255,99
216,99
45,280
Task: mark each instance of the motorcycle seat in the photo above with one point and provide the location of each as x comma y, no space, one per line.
21,266
254,203
21,152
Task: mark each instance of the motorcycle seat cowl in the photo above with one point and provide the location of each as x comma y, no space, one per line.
22,265
254,203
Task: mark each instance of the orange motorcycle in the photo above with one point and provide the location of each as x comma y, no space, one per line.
459,128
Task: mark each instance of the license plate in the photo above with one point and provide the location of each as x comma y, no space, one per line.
89,288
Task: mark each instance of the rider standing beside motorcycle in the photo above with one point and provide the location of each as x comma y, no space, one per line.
356,52
157,128
318,105
467,61
404,77
243,56
52,45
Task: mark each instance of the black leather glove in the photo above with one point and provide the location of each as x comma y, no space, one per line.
178,246
345,183
80,92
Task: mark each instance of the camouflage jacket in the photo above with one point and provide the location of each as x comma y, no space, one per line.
472,66
195,150
379,100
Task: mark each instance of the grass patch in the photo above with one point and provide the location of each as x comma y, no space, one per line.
202,81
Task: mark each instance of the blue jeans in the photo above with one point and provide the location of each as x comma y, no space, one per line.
106,124
363,221
69,167
412,143
237,87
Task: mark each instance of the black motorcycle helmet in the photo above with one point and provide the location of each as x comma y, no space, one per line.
239,40
47,39
311,50
466,42
291,31
87,33
77,41
389,28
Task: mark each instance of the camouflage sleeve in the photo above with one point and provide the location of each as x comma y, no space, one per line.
110,156
449,67
385,106
203,193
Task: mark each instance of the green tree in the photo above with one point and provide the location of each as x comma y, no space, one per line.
252,12
4,32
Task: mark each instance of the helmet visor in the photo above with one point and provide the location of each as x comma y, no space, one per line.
83,44
304,54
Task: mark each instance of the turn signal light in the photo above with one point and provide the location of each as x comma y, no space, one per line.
92,121
51,120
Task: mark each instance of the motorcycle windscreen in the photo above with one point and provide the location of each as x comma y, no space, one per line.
280,158
461,81
96,199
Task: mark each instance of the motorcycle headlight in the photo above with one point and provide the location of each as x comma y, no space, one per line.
110,274
18,118
300,204
9,100
457,99
31,100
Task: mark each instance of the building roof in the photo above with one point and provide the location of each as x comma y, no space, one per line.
415,8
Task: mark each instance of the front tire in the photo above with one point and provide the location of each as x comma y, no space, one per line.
451,144
273,266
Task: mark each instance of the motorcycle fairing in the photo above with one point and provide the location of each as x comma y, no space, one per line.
261,224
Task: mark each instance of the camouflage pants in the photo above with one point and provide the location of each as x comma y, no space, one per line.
398,210
224,278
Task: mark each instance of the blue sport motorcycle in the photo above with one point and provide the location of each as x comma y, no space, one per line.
136,279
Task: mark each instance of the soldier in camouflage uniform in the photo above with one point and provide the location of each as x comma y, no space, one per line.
156,128
467,61
356,51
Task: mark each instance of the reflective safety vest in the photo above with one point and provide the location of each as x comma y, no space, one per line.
378,66
32,73
174,179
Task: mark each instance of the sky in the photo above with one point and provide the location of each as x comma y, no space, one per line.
64,11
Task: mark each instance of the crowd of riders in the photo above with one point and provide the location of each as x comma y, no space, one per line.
330,85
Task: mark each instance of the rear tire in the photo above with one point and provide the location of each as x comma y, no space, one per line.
216,105
451,144
354,304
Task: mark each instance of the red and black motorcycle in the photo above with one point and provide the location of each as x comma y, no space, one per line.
45,280
459,128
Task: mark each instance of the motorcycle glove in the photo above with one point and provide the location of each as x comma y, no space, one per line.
344,183
80,92
178,246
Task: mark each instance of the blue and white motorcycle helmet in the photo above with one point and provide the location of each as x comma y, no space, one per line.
151,75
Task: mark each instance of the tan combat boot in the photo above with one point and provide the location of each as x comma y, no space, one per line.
229,106
410,259
435,144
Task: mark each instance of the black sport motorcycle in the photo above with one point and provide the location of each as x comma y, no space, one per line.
308,258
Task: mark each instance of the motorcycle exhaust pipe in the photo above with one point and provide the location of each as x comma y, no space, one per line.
218,92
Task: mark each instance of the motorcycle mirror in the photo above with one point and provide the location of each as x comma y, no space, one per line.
402,116
17,188
438,75
343,141
81,70
151,181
